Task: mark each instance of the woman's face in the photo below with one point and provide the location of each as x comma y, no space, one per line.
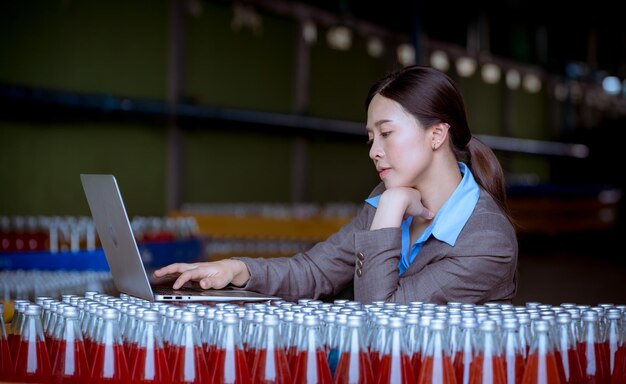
400,146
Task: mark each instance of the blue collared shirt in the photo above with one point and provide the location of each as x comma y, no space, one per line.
448,222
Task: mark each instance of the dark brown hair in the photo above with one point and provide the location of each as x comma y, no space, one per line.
432,97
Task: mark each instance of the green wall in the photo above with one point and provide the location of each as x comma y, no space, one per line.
121,48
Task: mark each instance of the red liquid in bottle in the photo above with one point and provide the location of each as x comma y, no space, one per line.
32,364
462,365
210,358
131,353
619,371
6,362
14,344
569,367
386,371
302,368
594,364
492,371
540,370
150,368
282,373
189,365
292,355
53,348
109,364
437,370
250,355
416,362
225,373
129,348
70,364
87,342
375,360
343,369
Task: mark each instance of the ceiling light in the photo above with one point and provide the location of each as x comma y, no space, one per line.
309,32
439,60
513,79
490,73
611,85
406,54
375,47
531,83
339,37
466,66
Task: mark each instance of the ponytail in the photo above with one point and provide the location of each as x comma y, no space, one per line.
488,172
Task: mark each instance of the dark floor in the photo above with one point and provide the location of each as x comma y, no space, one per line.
583,268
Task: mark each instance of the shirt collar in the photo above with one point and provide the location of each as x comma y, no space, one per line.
455,212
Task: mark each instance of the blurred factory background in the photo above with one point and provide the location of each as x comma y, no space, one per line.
254,108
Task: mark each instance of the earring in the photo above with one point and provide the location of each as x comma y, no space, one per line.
435,145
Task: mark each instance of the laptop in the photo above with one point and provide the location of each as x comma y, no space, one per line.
122,253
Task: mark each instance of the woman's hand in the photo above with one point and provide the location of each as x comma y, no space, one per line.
397,203
216,274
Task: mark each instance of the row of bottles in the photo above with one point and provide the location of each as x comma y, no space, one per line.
73,234
103,338
29,284
297,211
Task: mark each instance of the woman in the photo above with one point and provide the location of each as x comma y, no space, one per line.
436,228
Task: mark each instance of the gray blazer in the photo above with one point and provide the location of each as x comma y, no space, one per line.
481,267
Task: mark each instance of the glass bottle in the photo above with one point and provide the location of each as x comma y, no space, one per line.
252,338
541,365
395,363
377,339
150,363
565,350
514,360
524,332
311,363
70,362
127,323
619,373
89,328
230,359
211,349
411,321
613,329
44,302
6,362
329,330
166,324
488,364
208,331
56,313
341,322
270,361
33,363
292,344
354,364
436,361
109,361
56,332
174,329
132,342
423,338
189,364
14,336
453,333
467,349
593,358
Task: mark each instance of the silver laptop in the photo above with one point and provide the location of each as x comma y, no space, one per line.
122,253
